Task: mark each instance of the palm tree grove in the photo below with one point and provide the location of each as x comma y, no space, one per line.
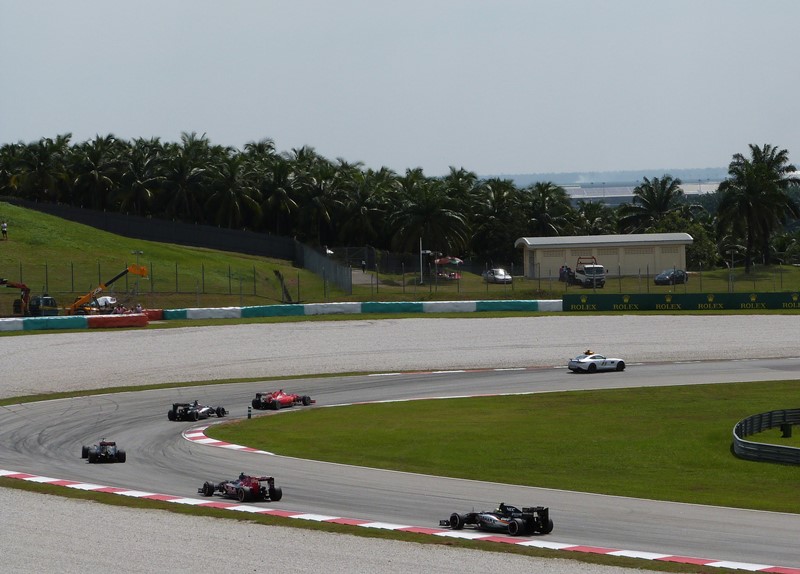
319,201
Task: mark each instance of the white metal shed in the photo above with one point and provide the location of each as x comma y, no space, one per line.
632,254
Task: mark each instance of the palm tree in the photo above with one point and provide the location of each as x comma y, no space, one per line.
594,218
754,200
274,181
548,208
496,219
96,166
652,200
317,181
184,176
460,184
366,200
10,159
425,211
41,172
235,200
141,176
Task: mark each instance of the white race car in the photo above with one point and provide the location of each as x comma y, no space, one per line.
590,362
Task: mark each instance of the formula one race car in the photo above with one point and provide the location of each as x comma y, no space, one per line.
590,362
105,451
245,488
279,399
506,518
194,411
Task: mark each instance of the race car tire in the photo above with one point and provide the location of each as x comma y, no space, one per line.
121,456
195,415
306,400
208,489
621,366
243,494
171,415
547,528
84,452
92,455
592,368
516,527
256,404
456,521
275,493
276,405
221,412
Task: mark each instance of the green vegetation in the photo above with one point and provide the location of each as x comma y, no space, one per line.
68,259
320,202
670,443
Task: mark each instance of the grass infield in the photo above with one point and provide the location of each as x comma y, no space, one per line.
657,443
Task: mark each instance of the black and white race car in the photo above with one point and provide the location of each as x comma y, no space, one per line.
194,412
104,451
505,518
590,362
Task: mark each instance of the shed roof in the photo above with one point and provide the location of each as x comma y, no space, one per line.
606,240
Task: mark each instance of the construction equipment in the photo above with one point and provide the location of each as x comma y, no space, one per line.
27,306
78,307
21,305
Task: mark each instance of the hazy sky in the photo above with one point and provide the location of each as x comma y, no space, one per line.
495,86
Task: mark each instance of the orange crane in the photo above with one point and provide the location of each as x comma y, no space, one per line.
76,308
21,305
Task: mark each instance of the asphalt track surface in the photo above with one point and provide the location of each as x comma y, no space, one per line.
510,355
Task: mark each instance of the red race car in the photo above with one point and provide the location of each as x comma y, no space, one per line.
279,400
245,488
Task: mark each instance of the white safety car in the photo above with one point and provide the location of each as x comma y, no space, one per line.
590,362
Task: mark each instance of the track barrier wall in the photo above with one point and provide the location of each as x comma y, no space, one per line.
755,424
284,310
592,302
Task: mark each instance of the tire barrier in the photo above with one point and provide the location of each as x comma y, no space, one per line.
754,424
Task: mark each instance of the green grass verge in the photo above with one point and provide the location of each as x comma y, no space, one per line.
657,443
769,396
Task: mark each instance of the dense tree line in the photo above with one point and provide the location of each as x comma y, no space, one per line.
323,202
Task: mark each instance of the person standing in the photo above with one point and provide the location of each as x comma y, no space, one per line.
4,229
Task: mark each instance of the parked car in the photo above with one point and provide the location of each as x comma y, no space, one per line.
672,277
497,275
43,306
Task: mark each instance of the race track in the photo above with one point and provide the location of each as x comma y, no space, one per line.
41,438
